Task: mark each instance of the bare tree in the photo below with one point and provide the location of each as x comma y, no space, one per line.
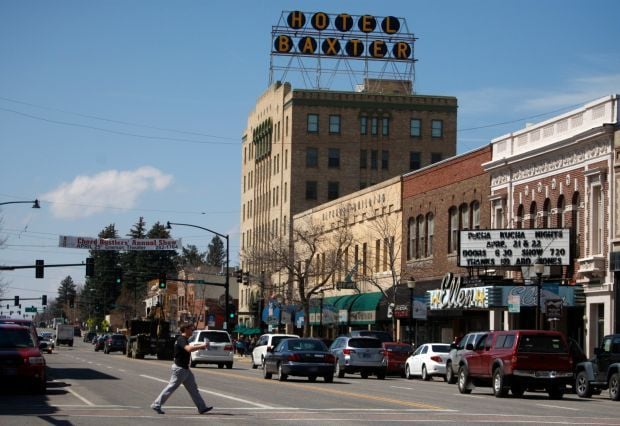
307,259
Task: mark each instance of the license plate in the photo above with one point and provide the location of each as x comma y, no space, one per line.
313,370
364,355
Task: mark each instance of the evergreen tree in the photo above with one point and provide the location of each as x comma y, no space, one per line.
217,253
104,281
191,257
66,296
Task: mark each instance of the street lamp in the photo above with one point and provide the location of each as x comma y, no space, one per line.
280,301
411,287
35,203
321,297
539,268
227,282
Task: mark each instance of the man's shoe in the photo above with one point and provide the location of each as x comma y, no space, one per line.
158,410
205,410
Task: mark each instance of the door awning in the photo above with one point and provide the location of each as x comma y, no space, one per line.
364,308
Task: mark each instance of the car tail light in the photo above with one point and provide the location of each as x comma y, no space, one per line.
294,357
513,362
329,358
348,351
436,358
228,348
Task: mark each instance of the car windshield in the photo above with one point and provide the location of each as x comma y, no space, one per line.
541,343
214,337
275,340
365,343
441,348
15,338
306,345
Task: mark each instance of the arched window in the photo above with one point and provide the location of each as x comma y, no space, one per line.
411,232
559,218
430,226
519,218
453,235
576,225
421,243
475,214
545,213
533,210
464,216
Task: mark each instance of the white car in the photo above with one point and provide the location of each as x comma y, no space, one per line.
219,351
427,361
263,343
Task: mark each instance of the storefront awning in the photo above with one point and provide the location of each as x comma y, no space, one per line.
364,309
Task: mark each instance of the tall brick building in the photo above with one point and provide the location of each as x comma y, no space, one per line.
302,148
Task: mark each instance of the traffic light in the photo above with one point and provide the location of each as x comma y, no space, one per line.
118,276
16,301
44,300
162,280
239,273
39,268
90,267
232,311
246,278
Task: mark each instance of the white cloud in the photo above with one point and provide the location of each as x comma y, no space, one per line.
88,195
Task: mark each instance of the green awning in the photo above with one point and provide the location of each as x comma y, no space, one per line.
345,302
315,303
239,328
364,309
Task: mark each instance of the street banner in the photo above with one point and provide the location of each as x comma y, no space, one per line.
120,244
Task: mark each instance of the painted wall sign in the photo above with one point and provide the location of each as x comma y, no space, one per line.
343,35
514,247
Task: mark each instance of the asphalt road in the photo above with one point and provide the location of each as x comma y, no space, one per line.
92,388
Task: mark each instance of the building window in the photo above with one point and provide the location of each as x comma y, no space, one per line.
363,125
312,157
430,230
421,240
363,159
415,127
385,159
374,126
411,234
311,191
576,225
333,160
545,213
533,210
436,157
453,235
437,128
464,216
385,126
334,124
313,123
560,218
519,217
377,255
475,215
597,219
333,190
374,158
414,161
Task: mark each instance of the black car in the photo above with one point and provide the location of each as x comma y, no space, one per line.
300,357
115,343
602,371
89,336
99,342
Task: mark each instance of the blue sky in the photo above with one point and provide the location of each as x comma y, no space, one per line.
119,109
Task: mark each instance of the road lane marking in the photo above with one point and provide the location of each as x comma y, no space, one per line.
558,406
78,396
401,387
221,395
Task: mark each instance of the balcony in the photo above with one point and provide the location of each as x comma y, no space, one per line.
592,267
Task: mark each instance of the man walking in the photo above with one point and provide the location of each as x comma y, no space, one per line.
182,374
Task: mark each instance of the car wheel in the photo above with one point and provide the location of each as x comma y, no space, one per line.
614,387
517,390
364,374
254,365
338,371
229,365
312,379
281,376
381,375
463,380
408,374
499,386
450,376
266,375
220,365
329,379
555,391
192,364
425,375
582,385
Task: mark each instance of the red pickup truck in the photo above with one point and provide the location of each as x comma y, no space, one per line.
517,360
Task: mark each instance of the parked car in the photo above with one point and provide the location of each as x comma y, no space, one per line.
21,359
219,351
427,361
602,371
384,336
23,322
300,357
395,356
362,355
88,336
99,342
456,353
269,340
115,343
519,361
46,342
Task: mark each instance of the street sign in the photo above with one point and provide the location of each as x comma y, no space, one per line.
31,309
554,309
346,285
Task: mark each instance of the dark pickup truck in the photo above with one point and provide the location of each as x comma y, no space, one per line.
602,371
516,361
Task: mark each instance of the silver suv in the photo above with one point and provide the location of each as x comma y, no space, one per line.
456,353
362,355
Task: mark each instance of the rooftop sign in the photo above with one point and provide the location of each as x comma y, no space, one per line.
514,247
